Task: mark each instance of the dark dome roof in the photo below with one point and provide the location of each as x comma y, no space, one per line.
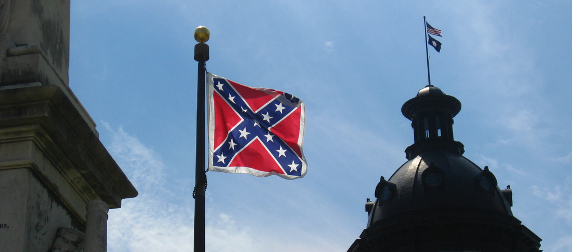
430,90
437,177
439,200
438,181
428,98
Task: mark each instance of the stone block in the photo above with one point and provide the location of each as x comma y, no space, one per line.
28,64
43,23
51,164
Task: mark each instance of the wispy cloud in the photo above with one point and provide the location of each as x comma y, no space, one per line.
564,159
494,165
563,244
151,221
161,217
329,46
494,50
508,73
351,137
553,196
560,199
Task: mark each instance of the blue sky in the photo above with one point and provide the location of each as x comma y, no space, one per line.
354,64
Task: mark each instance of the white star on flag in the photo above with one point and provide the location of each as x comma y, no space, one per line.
232,144
243,133
279,107
269,137
293,166
221,158
282,152
267,117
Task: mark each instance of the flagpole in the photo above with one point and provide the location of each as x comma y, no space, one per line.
202,35
427,51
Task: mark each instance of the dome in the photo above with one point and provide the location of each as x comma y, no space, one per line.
439,200
436,182
436,177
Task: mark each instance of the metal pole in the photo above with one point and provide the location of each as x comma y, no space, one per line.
201,55
427,51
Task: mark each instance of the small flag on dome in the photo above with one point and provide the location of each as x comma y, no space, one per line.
434,43
433,31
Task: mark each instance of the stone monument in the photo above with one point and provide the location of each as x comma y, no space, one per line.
57,180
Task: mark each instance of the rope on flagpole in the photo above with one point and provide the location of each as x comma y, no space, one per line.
204,178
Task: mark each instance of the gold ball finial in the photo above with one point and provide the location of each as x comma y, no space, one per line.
202,34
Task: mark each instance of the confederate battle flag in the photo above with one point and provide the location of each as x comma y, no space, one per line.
258,131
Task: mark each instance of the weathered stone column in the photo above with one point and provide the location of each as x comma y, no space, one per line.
52,162
96,227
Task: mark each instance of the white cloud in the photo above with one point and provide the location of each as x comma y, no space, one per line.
144,167
508,73
160,218
329,46
361,142
564,159
563,244
523,121
494,165
514,170
150,222
504,63
553,196
490,162
560,199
